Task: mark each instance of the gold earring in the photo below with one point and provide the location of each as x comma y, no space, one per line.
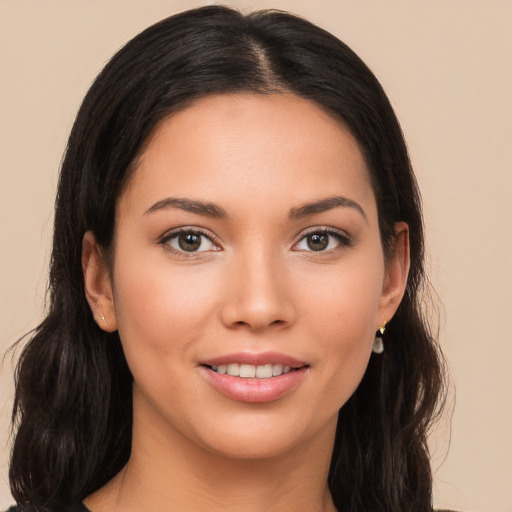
103,315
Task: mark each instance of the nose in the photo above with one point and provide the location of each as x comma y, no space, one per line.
257,295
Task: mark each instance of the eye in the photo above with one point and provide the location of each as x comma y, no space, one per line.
322,241
189,240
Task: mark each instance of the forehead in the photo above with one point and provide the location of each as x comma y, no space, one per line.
246,145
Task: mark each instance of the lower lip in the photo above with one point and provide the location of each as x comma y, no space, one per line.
253,390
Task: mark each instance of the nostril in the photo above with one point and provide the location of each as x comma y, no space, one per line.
254,313
255,326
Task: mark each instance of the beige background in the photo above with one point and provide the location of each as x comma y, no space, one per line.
446,66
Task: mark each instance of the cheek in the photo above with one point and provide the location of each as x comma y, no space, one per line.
343,302
160,313
342,309
161,317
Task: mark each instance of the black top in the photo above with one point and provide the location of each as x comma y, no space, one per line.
79,507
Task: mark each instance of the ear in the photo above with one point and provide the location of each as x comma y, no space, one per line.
396,272
98,285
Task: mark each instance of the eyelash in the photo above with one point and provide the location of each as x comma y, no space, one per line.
174,234
341,237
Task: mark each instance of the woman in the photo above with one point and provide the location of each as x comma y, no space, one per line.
236,280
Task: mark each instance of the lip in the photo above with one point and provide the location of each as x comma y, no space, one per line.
254,390
256,359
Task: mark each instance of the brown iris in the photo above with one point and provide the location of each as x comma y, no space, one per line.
189,241
317,241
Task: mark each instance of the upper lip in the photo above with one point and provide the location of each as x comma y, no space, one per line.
256,359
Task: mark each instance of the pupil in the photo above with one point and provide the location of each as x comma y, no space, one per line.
318,241
189,241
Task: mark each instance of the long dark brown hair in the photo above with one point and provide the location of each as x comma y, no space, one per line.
72,413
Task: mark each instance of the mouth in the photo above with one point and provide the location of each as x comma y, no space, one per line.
248,365
254,378
250,371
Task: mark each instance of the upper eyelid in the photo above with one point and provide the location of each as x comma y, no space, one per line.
323,229
184,229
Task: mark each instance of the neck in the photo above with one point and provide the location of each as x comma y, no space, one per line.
171,473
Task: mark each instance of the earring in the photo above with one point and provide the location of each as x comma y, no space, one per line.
103,315
378,344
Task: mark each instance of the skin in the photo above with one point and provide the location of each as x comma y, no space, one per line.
257,286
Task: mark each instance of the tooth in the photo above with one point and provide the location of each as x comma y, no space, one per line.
264,372
233,369
247,370
277,369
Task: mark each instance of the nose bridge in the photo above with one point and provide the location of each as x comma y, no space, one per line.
257,292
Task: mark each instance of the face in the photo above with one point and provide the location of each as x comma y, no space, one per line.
249,277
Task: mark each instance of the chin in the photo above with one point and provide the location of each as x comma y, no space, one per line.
255,438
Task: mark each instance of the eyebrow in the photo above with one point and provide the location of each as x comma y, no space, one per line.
214,211
189,205
324,205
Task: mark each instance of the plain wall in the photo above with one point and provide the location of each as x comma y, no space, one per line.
446,66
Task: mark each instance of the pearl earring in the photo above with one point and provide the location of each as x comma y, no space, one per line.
378,344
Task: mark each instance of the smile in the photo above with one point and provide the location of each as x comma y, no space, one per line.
254,383
249,371
254,377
